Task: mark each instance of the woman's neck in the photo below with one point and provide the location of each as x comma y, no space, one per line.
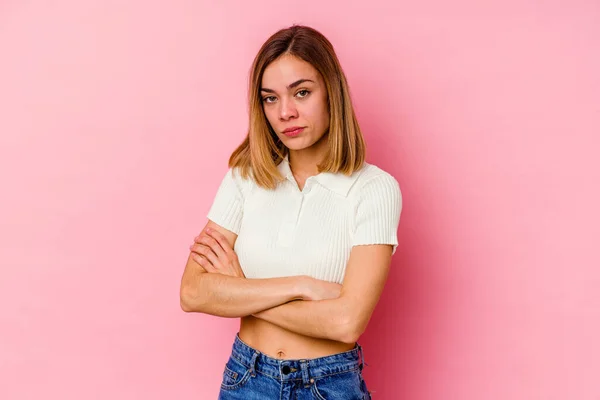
304,163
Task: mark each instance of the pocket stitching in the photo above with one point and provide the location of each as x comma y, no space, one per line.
236,385
319,396
231,373
316,392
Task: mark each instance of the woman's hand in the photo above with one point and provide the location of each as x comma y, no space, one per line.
213,252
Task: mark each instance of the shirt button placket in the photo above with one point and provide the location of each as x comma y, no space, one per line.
287,232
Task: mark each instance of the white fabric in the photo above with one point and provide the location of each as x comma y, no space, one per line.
288,232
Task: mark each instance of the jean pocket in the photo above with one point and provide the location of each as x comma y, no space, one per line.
235,375
342,386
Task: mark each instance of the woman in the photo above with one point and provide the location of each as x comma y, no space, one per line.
300,234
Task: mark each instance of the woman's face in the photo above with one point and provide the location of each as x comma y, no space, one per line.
294,95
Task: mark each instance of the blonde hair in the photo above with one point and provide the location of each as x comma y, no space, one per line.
261,151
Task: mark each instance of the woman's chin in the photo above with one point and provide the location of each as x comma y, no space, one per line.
295,144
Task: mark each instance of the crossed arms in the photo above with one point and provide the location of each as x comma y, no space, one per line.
213,283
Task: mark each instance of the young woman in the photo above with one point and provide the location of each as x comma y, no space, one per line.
300,234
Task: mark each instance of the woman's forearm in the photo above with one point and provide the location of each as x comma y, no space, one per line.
325,319
228,296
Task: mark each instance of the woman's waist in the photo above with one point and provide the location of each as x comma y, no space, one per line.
280,343
304,369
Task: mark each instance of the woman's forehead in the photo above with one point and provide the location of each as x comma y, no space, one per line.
287,70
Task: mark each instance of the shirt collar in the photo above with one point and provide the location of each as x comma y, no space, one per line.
336,182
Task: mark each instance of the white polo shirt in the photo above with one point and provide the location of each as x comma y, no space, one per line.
288,232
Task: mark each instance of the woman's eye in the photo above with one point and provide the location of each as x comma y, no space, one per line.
303,93
269,99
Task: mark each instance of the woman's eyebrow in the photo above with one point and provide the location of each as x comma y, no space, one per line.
290,86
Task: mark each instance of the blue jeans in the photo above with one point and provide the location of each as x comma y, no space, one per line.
251,375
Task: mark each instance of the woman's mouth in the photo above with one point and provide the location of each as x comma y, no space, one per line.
293,132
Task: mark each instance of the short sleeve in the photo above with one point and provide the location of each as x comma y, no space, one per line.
377,212
228,206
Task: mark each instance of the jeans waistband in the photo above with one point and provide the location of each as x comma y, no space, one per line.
301,369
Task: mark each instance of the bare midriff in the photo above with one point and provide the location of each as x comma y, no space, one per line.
280,343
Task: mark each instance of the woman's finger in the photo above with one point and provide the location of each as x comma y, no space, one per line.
231,258
207,253
221,239
214,246
203,262
231,254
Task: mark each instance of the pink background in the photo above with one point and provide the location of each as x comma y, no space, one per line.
117,119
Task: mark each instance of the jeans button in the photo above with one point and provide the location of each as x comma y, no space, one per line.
286,369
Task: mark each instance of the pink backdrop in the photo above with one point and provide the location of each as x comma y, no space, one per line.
117,119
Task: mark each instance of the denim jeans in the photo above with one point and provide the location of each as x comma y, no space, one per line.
251,375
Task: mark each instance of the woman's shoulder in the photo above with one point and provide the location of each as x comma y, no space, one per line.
372,175
375,185
234,176
376,190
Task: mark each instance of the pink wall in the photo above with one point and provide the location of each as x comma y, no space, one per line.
116,122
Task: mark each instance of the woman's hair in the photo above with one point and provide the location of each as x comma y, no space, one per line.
261,150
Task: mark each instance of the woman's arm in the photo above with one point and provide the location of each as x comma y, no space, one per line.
226,295
345,318
229,296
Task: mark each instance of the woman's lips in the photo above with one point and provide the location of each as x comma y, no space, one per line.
293,133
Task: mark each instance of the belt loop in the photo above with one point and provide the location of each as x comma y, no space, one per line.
253,364
305,376
362,357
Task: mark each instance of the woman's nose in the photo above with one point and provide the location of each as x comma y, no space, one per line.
288,110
